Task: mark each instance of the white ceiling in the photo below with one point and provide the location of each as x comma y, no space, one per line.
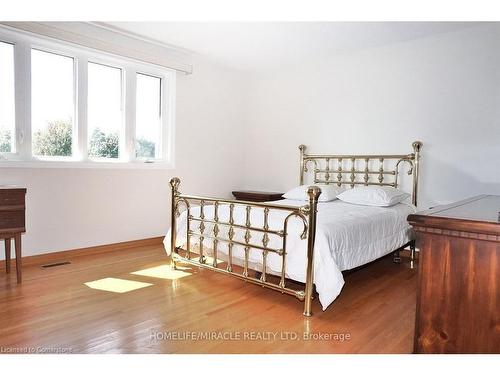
255,46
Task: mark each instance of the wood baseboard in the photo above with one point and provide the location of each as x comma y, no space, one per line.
36,260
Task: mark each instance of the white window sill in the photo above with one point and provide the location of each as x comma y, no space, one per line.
69,164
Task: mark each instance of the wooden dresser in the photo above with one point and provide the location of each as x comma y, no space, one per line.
458,297
12,223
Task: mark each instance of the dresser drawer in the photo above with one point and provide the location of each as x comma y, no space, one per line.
12,197
12,220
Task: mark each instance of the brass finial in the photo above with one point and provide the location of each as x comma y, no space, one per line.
174,183
302,148
314,192
417,145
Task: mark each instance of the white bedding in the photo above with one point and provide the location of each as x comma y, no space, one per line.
347,236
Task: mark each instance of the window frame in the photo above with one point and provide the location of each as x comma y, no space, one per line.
23,43
123,130
74,141
162,114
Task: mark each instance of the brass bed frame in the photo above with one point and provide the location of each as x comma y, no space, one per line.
327,169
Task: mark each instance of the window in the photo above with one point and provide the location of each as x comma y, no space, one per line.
79,107
52,104
105,118
148,117
7,106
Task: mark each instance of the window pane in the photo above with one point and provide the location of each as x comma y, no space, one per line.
52,103
105,117
7,107
148,117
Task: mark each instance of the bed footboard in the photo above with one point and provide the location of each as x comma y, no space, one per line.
196,232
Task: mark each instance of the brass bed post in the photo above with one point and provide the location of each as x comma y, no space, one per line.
417,145
313,192
302,149
174,184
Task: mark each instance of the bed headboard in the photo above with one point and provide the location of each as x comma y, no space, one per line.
382,170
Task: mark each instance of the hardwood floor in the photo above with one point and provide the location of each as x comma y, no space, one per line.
54,311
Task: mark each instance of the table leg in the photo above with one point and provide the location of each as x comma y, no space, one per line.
7,242
19,260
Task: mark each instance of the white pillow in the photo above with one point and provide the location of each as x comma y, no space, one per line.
328,193
382,196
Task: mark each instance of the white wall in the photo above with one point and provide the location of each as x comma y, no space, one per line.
75,208
443,90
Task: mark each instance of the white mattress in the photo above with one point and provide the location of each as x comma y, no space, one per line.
347,236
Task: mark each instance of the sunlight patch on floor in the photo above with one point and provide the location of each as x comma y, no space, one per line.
111,284
164,272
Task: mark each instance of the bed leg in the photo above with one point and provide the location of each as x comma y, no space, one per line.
396,258
412,254
174,185
313,192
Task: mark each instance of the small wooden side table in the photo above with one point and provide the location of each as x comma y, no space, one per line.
257,196
12,223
